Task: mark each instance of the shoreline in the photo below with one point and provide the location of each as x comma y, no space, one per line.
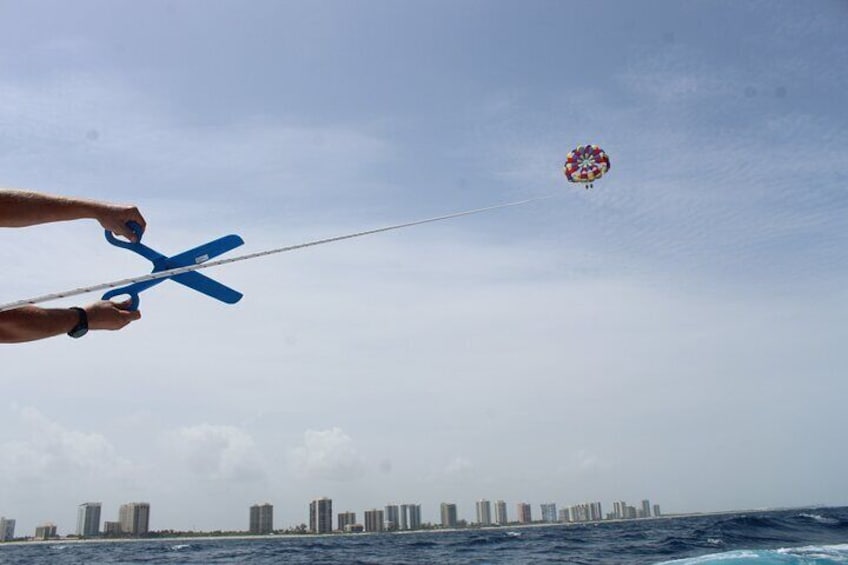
207,537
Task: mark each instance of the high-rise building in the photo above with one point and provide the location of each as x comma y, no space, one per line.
646,509
45,531
657,512
392,517
500,513
261,519
404,516
414,511
88,520
134,518
563,515
524,513
579,513
549,512
620,510
321,515
7,529
374,520
595,512
448,515
345,518
484,512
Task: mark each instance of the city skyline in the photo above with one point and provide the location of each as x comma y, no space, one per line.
134,518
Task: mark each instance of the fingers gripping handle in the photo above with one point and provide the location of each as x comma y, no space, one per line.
126,291
133,290
135,228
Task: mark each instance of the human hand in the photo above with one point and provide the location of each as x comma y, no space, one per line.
108,315
114,217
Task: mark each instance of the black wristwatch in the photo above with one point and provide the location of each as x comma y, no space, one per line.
81,328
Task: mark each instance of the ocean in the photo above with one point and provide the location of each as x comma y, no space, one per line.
809,536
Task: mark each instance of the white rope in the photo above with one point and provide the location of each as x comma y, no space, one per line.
208,264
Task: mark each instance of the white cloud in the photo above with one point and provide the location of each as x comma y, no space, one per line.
218,452
327,454
50,449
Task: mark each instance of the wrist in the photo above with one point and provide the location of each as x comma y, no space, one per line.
89,209
80,327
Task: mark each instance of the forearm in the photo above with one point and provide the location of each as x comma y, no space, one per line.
19,208
31,323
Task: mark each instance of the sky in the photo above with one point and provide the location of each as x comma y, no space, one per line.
677,333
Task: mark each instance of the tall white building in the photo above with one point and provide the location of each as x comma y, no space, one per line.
449,519
549,512
7,529
374,520
524,514
484,512
344,519
392,517
414,516
321,515
45,531
500,513
134,518
595,512
88,520
261,519
646,509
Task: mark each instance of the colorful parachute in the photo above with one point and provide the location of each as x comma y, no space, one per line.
586,164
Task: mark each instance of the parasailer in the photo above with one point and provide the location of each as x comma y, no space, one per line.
586,164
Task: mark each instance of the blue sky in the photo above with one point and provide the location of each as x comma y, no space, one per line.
676,333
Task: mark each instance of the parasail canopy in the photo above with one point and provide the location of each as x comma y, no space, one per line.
586,164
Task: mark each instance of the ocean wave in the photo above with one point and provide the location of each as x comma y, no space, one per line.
807,555
837,552
819,518
180,546
715,541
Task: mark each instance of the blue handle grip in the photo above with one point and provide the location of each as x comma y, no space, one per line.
135,228
134,300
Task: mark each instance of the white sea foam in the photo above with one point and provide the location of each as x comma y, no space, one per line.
180,546
807,555
715,541
837,552
819,518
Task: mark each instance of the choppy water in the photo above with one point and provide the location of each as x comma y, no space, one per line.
816,536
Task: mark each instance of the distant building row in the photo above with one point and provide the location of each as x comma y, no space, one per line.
588,512
408,516
133,520
394,517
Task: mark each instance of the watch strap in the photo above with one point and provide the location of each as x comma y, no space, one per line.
81,328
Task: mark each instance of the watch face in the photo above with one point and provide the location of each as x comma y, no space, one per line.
82,326
78,332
